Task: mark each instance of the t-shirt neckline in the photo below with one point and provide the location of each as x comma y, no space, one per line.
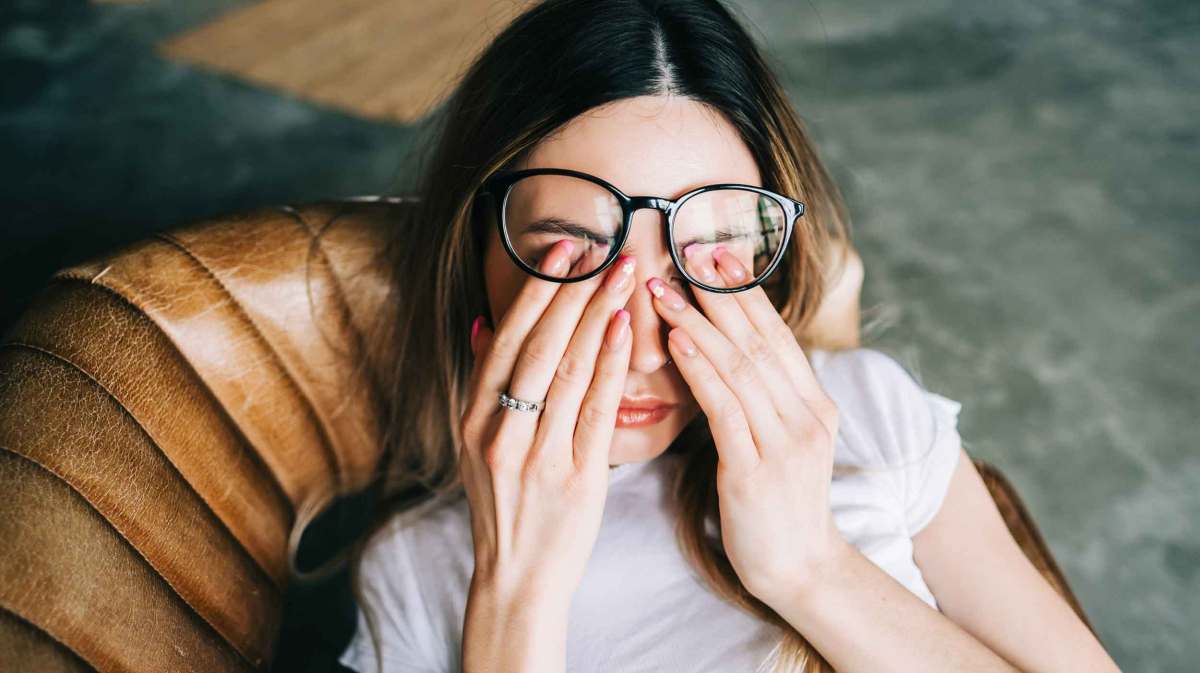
628,471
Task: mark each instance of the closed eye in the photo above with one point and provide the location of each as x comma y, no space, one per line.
555,225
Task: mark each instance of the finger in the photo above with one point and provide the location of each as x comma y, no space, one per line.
726,313
543,349
597,419
482,423
471,468
757,307
509,336
735,368
575,371
726,417
480,336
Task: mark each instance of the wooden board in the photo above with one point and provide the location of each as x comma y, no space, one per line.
391,60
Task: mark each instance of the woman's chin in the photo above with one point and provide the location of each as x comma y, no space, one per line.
620,454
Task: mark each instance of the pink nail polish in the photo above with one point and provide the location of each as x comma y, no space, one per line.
665,294
559,265
730,264
475,327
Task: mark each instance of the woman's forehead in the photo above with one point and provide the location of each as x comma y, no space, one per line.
650,146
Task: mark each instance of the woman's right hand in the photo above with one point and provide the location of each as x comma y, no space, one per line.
536,482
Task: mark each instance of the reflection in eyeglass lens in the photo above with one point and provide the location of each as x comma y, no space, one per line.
544,209
747,224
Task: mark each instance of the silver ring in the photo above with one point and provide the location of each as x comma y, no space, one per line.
520,405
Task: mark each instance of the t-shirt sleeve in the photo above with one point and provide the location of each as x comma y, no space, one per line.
404,638
899,426
927,479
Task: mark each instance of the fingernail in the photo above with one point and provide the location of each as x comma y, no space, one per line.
559,257
618,331
697,265
729,263
665,294
618,277
475,327
682,342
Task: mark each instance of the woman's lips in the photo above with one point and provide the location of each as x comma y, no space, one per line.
637,414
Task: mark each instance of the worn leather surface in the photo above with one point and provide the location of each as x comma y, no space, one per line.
172,414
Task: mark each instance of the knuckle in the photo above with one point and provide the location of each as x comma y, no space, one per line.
543,467
813,432
466,429
471,426
605,367
591,416
730,411
473,411
782,335
498,460
710,377
538,352
829,411
573,369
504,342
742,370
758,350
534,468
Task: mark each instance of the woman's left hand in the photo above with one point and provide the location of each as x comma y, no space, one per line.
772,423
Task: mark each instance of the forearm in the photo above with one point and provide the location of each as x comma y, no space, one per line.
862,620
513,632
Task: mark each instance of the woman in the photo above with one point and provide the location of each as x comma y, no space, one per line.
633,467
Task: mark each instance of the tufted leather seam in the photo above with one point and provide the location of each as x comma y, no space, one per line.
272,478
359,346
330,455
51,636
207,505
175,590
341,294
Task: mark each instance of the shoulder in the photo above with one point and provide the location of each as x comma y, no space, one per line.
889,420
882,401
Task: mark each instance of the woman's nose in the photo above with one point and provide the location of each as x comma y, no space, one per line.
648,330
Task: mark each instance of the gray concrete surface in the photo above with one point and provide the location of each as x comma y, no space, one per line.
1025,181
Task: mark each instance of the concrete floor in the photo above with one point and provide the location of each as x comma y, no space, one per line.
1023,179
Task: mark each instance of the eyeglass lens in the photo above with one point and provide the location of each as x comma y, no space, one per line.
543,209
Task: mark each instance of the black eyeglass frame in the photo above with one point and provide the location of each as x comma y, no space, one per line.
501,184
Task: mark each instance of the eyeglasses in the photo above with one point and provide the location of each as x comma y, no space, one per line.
537,207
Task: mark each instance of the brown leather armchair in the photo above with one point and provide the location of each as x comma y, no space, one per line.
173,414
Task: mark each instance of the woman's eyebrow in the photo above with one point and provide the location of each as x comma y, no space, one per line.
557,225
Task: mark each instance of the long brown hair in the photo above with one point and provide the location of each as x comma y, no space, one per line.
553,62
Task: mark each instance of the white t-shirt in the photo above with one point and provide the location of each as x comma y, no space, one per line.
640,606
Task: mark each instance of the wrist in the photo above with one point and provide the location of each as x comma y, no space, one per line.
509,629
815,578
524,590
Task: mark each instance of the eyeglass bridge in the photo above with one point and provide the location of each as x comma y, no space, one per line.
657,203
